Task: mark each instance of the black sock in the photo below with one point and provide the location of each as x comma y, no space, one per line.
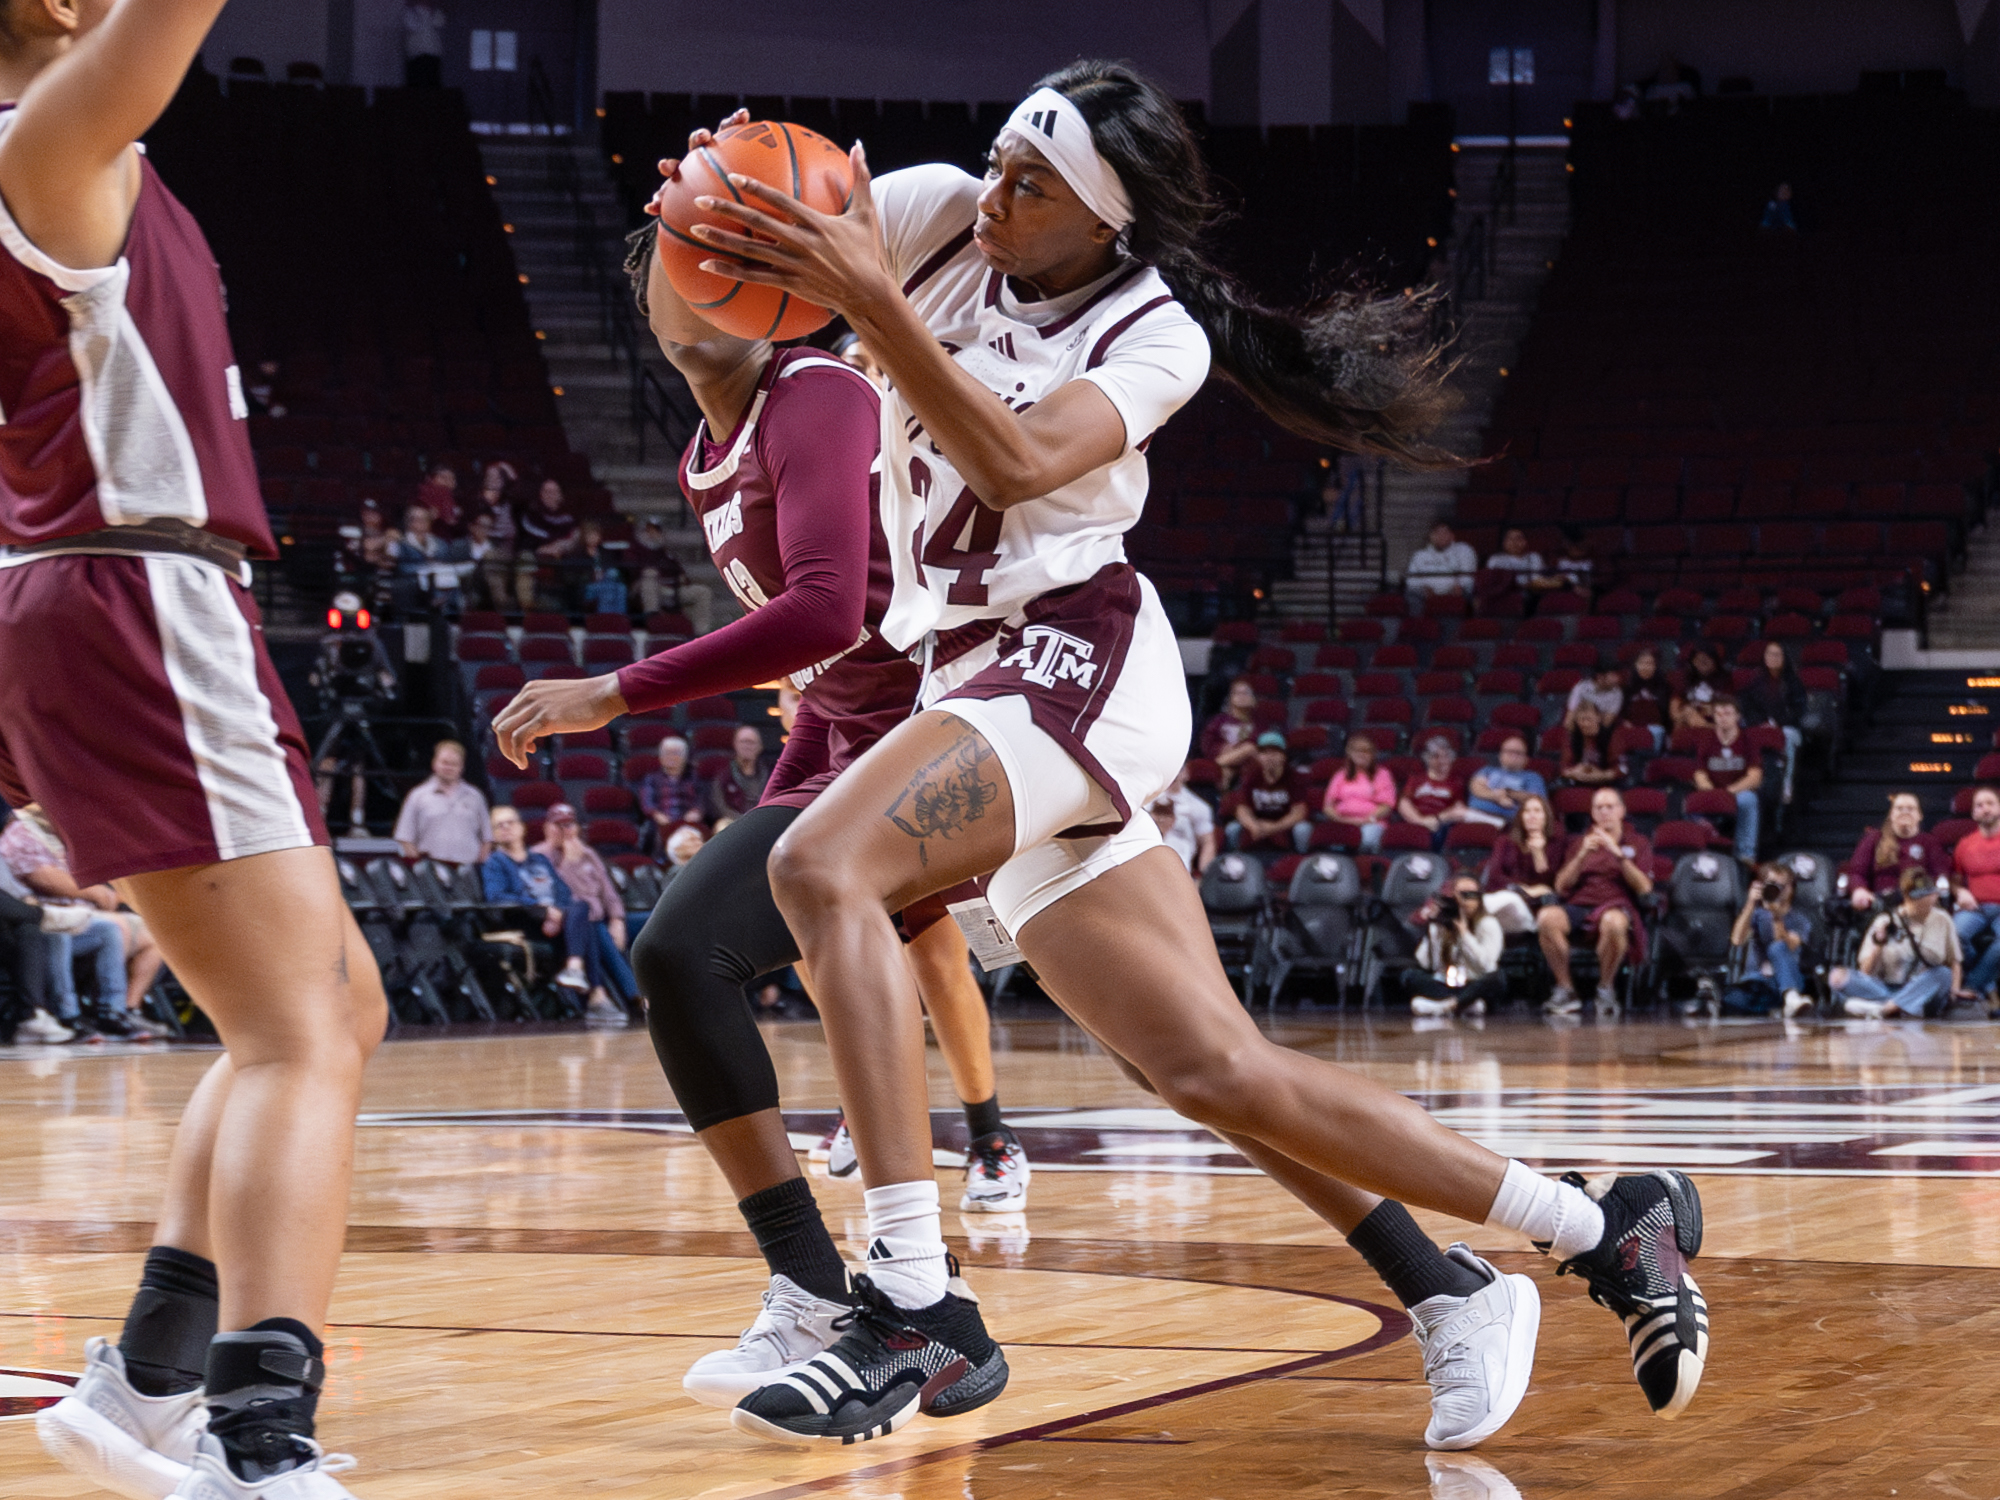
1406,1259
263,1394
794,1238
173,1316
982,1119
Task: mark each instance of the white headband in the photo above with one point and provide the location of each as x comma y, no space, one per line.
1056,128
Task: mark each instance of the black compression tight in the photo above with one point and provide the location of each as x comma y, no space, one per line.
716,928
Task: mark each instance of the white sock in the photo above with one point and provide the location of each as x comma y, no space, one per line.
1546,1211
906,1242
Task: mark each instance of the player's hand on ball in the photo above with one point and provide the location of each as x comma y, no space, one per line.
834,260
555,707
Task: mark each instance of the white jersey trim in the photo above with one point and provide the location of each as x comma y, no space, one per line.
725,470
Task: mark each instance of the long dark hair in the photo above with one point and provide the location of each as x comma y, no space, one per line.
1359,368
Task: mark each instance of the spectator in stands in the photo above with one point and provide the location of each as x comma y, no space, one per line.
1723,763
1269,809
1230,738
671,796
1673,85
1604,876
473,559
1342,499
740,784
1361,794
1604,689
1517,559
497,565
548,534
1778,215
125,958
425,565
1910,962
1576,568
515,875
1649,696
1186,824
445,817
583,871
1459,957
1495,792
1875,870
1705,680
1776,932
683,844
439,492
1776,695
1975,869
599,582
24,957
1434,797
660,582
368,551
1444,568
423,45
1520,874
1590,760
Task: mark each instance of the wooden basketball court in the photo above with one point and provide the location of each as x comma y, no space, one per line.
539,1250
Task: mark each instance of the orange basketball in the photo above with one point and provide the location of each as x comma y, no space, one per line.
791,159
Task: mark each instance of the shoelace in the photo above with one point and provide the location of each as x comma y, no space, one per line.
991,1157
795,1303
872,1313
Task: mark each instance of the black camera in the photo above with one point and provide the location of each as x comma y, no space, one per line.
1773,891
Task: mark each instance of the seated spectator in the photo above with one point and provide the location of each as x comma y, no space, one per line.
516,875
1444,568
1778,211
740,786
1230,737
597,580
24,958
84,922
1362,794
473,559
1494,794
1910,961
1588,759
1434,797
583,871
1702,683
1186,824
1875,870
671,796
1776,932
496,567
425,564
660,582
1268,808
683,844
548,534
1975,871
439,495
1777,696
445,817
1604,688
1723,763
1517,559
1576,568
1520,874
1649,696
1603,878
1459,958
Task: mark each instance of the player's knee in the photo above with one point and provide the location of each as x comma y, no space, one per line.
1223,1091
806,872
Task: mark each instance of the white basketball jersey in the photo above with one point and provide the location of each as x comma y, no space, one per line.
961,561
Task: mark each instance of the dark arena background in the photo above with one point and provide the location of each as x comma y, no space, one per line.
1719,280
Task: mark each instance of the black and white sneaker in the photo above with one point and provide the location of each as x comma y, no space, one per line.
1652,1228
890,1364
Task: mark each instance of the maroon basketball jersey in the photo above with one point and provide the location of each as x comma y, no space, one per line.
120,400
867,690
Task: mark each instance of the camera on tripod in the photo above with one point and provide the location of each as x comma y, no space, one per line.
353,676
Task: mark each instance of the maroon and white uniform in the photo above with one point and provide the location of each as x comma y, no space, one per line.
813,573
1040,634
138,706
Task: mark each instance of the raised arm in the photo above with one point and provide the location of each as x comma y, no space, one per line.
67,169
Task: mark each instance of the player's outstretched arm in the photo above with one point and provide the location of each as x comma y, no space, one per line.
65,164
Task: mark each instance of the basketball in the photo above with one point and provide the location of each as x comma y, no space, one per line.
789,158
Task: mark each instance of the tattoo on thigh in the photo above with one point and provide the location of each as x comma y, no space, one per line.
952,791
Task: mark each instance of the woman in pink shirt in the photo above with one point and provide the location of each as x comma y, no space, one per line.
582,869
1361,794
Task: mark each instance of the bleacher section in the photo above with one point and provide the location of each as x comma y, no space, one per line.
1718,406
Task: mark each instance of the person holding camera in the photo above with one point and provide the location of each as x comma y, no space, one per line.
1776,933
1911,963
1460,955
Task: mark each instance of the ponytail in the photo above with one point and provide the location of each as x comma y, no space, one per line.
1358,369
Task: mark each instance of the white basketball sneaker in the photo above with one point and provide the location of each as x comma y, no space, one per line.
209,1477
840,1158
1478,1353
120,1440
996,1175
793,1327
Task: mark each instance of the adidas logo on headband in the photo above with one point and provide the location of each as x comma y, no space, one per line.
1044,120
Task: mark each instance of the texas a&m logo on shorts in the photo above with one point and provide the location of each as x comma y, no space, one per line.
1047,656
